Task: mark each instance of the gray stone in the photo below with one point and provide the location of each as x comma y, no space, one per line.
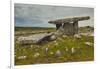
53,37
46,50
58,53
35,38
73,50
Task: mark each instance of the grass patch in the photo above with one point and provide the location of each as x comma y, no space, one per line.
82,51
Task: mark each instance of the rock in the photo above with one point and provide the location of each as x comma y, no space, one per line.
73,50
22,57
46,50
77,36
89,43
58,53
53,37
58,33
36,55
34,38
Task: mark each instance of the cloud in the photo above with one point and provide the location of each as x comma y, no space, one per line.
39,15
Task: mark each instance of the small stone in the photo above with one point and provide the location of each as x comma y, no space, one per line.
73,50
77,36
22,57
58,53
36,55
88,43
46,50
53,37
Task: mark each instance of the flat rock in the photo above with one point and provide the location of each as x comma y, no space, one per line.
35,38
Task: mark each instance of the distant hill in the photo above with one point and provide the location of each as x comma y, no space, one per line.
32,28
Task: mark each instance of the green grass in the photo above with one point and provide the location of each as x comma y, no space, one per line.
82,51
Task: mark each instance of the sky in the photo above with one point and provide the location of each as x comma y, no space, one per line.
34,15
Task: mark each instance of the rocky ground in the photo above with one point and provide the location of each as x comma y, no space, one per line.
79,47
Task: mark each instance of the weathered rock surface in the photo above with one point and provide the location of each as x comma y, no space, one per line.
36,38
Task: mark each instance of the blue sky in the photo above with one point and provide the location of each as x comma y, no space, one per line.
32,15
